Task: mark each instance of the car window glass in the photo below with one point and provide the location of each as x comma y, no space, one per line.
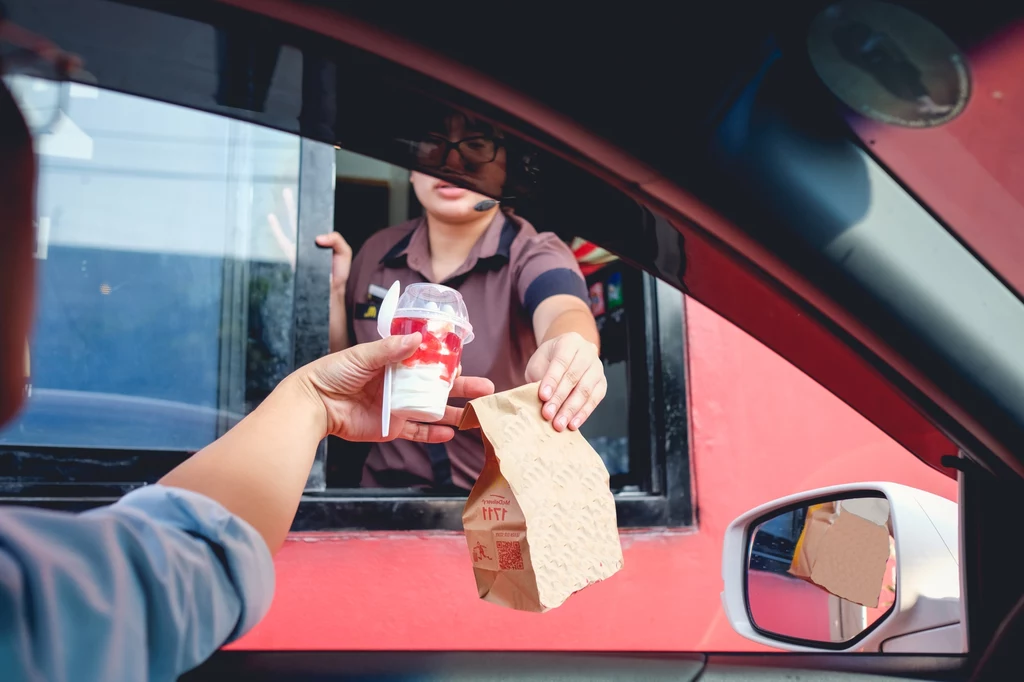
168,247
165,294
179,315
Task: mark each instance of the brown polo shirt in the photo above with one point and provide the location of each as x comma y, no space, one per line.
510,271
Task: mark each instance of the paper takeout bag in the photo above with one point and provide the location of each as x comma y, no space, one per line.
842,552
540,521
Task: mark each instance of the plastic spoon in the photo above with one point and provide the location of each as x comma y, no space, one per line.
384,317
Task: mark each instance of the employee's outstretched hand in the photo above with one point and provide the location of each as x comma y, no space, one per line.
572,381
350,384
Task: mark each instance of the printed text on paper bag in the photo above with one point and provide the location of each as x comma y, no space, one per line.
493,513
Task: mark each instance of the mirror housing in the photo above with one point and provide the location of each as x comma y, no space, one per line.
927,615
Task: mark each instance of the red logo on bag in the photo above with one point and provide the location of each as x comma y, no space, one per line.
480,553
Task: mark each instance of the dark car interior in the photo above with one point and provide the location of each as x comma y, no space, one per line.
759,202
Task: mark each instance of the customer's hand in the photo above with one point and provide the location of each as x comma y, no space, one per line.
572,381
350,384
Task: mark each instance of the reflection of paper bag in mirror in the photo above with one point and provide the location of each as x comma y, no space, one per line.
851,559
819,519
844,553
540,521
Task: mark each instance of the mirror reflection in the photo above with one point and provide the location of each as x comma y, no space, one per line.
824,572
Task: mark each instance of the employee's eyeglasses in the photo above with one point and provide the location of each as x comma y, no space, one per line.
432,151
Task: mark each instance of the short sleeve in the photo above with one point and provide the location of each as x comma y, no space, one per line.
144,589
546,267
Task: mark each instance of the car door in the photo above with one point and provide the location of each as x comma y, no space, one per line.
924,367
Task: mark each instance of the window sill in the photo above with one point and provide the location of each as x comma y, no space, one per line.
372,510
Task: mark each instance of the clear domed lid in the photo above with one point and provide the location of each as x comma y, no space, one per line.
436,302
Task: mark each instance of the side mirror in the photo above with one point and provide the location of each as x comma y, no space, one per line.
870,567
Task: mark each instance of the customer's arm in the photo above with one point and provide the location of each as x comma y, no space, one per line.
144,589
151,586
259,469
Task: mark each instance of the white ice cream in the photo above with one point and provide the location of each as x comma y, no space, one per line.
418,392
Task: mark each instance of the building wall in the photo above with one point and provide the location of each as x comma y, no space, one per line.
760,430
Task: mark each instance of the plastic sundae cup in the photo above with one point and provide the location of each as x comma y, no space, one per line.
421,383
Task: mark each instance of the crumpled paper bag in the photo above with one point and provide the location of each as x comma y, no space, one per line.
540,521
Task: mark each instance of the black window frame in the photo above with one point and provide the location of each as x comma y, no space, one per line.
67,478
663,419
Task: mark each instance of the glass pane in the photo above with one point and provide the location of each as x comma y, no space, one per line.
166,254
607,429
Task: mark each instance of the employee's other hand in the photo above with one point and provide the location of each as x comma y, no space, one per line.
572,381
350,384
341,261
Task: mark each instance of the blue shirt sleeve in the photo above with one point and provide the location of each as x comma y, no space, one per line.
144,589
